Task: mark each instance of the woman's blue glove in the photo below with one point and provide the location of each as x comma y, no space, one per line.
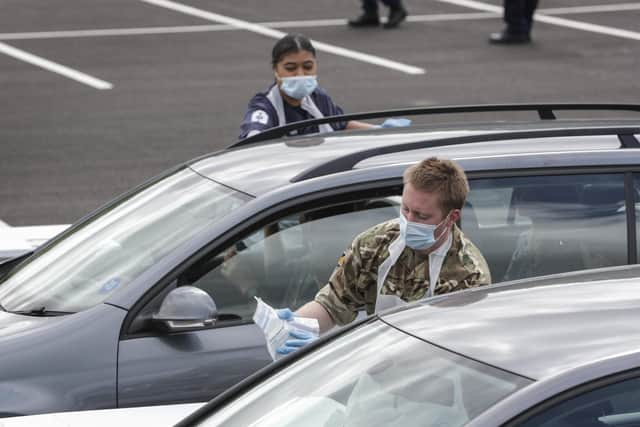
297,337
396,123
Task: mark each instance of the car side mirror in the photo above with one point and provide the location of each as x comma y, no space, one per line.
184,309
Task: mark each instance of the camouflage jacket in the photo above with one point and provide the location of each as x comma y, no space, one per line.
353,283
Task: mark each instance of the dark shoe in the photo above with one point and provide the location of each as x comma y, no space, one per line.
396,16
365,20
505,37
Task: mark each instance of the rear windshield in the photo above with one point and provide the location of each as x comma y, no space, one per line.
373,376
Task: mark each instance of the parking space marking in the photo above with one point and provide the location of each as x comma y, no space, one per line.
620,7
54,67
312,23
272,33
562,22
115,32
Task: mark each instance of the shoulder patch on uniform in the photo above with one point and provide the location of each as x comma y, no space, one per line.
341,260
260,116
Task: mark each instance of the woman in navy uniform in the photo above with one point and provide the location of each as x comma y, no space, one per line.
295,95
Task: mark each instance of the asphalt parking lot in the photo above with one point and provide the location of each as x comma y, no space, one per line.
99,95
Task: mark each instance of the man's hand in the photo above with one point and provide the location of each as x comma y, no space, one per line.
297,337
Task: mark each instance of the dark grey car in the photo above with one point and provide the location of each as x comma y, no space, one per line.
91,319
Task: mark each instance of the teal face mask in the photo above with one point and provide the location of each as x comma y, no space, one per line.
418,236
299,86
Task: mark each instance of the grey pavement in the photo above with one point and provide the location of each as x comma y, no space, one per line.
66,148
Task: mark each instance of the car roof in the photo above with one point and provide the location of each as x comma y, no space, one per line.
536,328
261,167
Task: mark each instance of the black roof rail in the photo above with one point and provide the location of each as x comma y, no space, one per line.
626,136
545,112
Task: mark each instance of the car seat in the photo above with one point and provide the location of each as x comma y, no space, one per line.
553,242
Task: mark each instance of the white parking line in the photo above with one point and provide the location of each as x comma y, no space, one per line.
313,23
114,32
620,7
269,32
54,67
562,22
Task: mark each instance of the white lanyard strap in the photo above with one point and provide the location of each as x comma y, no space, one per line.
395,249
306,104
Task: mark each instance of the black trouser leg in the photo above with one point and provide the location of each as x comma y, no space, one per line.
518,15
530,10
393,4
370,7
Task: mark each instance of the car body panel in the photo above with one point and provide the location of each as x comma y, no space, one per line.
60,364
187,366
573,324
258,168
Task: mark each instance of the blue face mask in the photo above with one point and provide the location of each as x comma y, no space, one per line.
299,86
418,236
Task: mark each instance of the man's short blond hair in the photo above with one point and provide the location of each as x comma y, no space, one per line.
442,177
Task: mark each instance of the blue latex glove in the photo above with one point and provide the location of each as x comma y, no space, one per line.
300,339
396,123
297,337
285,313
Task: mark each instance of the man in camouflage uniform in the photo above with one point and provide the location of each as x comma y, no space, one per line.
434,193
353,283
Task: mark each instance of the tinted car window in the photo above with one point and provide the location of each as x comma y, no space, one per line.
113,248
537,225
636,186
286,262
373,376
613,405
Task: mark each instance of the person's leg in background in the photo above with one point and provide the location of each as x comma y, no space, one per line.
518,15
397,13
530,10
371,18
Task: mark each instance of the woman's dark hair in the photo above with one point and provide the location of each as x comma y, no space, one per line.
291,43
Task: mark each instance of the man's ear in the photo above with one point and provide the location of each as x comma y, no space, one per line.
455,215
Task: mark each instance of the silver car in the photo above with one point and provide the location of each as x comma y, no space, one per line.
562,351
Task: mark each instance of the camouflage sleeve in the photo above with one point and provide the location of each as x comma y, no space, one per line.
342,297
479,269
471,271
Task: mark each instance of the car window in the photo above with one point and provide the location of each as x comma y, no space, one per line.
375,375
537,225
286,261
612,405
111,249
636,187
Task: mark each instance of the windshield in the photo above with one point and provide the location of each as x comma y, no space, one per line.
373,376
111,249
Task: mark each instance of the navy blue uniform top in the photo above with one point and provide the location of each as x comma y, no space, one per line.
261,114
